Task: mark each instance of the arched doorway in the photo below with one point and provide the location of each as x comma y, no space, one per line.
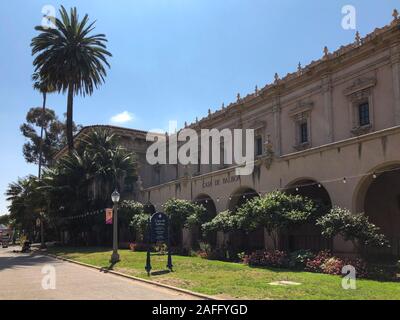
378,197
240,197
240,240
149,208
208,203
307,236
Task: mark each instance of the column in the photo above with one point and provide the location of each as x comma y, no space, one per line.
395,58
276,109
328,107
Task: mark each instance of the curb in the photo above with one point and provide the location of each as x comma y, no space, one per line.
166,286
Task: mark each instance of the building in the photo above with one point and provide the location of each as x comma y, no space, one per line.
330,131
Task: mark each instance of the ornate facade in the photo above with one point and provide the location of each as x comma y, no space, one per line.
330,131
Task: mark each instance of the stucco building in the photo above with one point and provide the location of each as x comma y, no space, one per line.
330,131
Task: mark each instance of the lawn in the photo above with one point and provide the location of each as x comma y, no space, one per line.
233,280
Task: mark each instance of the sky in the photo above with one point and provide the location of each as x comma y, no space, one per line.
172,59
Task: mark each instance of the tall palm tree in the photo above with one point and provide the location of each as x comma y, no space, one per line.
44,87
71,59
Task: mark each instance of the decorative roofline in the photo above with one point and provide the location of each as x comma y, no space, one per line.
325,62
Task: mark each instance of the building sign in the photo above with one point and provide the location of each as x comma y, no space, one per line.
159,228
220,182
109,216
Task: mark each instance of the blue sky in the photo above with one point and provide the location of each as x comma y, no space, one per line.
172,59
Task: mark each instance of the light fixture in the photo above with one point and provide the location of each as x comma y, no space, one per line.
115,196
344,180
374,176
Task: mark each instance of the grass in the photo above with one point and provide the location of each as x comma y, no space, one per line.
233,280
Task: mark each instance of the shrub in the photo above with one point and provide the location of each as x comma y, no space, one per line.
298,259
315,264
277,259
333,266
276,211
353,227
138,247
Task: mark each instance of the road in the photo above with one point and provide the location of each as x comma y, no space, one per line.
21,278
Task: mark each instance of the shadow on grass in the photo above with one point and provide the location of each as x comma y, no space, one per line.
68,250
108,268
160,273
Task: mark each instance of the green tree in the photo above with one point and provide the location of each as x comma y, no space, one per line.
225,222
183,214
352,227
5,219
71,59
27,200
277,211
52,140
44,87
82,181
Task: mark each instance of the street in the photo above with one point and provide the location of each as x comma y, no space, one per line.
21,278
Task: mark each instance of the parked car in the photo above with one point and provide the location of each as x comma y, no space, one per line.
5,240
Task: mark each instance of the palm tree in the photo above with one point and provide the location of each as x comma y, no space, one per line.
71,59
44,87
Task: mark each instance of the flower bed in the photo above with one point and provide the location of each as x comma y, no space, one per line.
322,262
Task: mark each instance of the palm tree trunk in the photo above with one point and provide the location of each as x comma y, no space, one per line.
41,135
70,109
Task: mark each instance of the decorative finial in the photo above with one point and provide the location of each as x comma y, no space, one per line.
256,90
358,38
209,112
186,124
197,119
276,77
223,105
238,97
326,52
299,68
395,15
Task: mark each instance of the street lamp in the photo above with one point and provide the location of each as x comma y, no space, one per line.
115,199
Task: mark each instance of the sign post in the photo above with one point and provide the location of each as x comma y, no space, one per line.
159,232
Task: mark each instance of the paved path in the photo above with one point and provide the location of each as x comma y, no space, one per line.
21,279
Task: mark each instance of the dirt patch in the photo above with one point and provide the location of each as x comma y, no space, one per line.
174,282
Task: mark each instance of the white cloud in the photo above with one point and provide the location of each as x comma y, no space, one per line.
123,117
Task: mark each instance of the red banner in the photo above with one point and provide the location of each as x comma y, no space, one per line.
109,216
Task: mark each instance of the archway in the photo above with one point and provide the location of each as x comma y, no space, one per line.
378,197
307,236
240,197
211,211
239,240
149,208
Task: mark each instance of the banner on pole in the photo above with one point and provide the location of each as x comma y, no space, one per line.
109,216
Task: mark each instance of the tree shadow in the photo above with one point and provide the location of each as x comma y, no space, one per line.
15,259
160,273
108,268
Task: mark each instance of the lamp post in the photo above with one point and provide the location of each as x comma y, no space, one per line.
115,199
42,243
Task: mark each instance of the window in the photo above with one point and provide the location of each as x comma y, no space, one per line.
259,146
303,132
363,114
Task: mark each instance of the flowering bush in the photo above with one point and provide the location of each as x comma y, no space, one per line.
138,246
298,259
333,266
278,259
315,264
